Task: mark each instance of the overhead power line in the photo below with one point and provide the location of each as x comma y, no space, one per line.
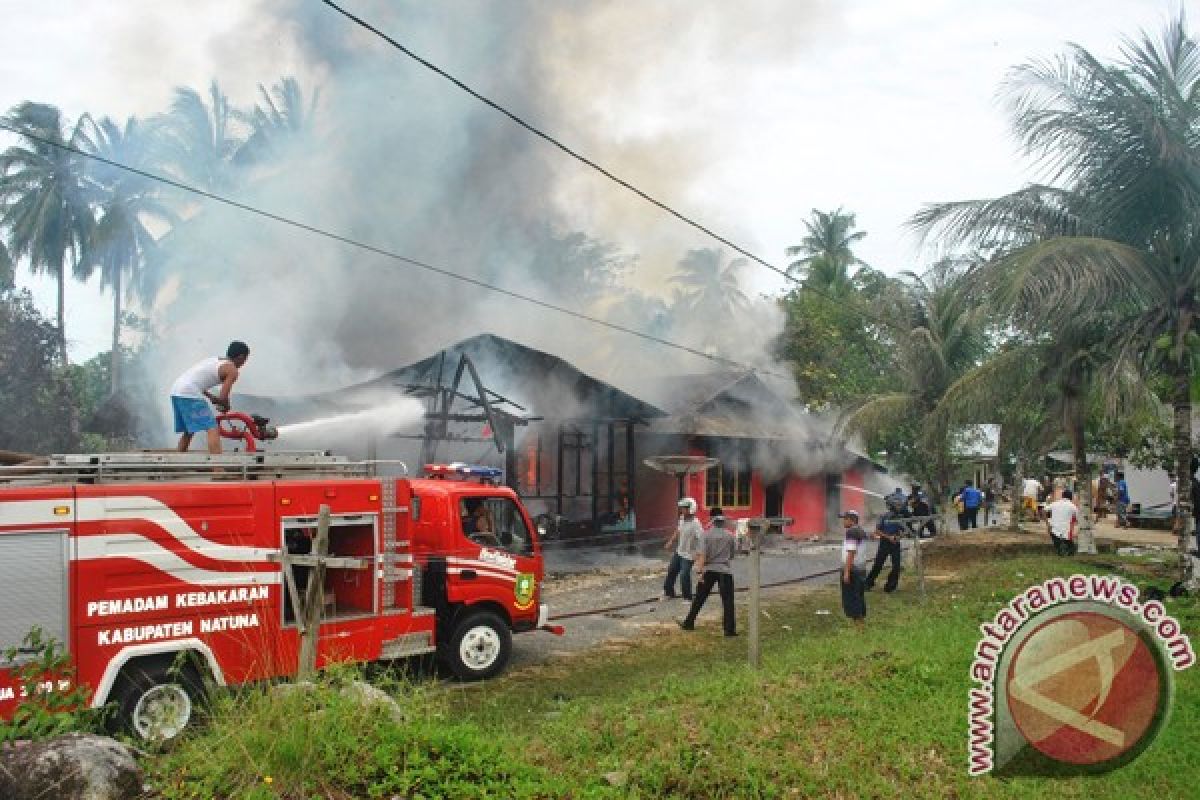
557,143
337,237
538,132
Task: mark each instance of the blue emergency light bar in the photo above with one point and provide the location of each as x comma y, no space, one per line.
461,470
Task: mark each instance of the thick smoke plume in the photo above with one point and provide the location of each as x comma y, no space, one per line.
402,160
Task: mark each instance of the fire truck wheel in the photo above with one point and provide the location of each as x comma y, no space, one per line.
479,648
156,700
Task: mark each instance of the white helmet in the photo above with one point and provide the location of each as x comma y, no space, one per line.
688,503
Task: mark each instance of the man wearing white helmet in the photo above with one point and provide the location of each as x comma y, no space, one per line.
686,539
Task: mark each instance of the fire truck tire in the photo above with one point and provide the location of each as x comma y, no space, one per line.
157,700
479,648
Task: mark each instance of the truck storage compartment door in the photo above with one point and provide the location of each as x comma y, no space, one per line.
35,524
33,586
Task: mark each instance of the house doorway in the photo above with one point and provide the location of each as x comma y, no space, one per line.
773,501
833,501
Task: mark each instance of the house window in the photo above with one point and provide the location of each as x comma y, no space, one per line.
727,485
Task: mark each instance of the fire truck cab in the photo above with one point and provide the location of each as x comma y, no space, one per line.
158,572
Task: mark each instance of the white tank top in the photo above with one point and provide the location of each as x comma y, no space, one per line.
199,377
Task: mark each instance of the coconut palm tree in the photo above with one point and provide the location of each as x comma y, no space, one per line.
1044,384
1008,389
281,116
942,336
825,254
127,204
199,137
7,268
709,284
1115,232
44,210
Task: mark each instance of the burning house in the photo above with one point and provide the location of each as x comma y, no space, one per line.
773,459
565,439
575,446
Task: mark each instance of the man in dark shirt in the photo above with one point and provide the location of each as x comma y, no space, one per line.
1122,501
713,562
888,532
919,505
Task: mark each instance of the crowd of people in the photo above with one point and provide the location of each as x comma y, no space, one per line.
906,514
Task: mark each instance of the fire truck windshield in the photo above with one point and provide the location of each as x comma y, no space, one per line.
495,522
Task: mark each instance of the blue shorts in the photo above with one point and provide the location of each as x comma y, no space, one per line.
192,415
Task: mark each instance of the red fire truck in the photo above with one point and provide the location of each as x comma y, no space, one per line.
160,571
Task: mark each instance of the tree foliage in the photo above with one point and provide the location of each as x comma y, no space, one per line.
941,335
835,357
826,253
44,209
35,390
709,283
1112,244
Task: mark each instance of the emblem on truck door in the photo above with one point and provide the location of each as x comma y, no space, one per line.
523,590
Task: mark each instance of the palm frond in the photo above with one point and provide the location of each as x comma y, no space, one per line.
980,395
878,413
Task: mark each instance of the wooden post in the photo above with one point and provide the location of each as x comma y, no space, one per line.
314,599
916,525
920,564
756,527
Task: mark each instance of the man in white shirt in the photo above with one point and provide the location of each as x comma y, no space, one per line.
1061,518
687,539
191,393
1030,490
854,600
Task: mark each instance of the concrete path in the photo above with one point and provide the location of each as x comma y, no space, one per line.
615,578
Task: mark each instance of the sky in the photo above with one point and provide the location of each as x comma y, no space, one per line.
744,115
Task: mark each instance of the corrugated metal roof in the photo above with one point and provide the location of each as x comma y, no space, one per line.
543,384
739,405
734,405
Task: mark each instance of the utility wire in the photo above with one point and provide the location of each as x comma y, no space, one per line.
554,142
379,250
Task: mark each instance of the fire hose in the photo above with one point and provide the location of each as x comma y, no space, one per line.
248,428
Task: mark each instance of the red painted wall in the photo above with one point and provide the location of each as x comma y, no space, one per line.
851,499
803,498
804,501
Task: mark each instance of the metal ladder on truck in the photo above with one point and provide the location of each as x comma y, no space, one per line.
152,465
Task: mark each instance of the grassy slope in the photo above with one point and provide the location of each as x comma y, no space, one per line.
831,714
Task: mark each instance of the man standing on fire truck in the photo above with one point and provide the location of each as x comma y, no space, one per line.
191,394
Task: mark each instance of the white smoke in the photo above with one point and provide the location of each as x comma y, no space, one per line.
402,160
404,414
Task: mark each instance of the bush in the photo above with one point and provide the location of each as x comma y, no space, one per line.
52,704
322,742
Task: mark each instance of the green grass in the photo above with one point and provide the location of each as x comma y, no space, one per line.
832,713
